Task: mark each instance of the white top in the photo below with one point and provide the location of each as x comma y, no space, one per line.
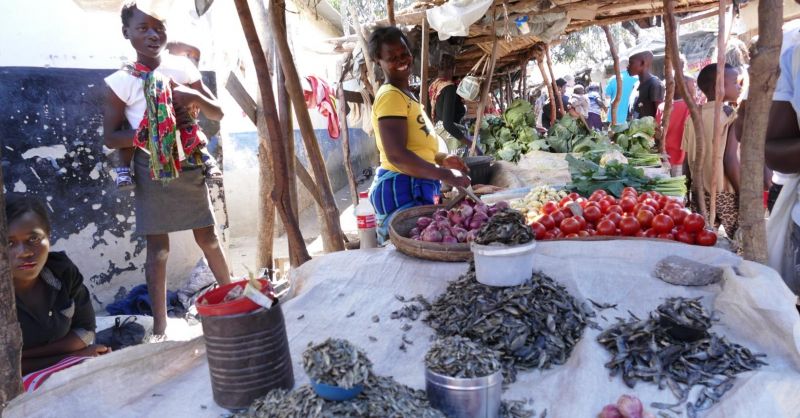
786,91
129,88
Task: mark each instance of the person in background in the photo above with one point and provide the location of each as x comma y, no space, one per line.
561,84
628,83
727,195
54,308
677,123
596,107
579,101
447,107
411,168
651,89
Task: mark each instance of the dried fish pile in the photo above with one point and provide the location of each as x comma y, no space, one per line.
336,362
534,325
505,227
382,397
646,350
519,409
460,357
412,309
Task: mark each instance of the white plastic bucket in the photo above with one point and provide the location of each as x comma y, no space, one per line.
503,265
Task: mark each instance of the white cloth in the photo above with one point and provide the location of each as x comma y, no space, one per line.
786,91
129,88
456,16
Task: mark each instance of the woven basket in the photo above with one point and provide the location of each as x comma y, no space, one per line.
405,220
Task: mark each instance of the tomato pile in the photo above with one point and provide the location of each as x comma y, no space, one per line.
649,215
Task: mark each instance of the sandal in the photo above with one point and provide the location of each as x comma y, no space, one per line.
124,179
213,174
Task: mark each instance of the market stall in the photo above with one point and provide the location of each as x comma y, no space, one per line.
340,295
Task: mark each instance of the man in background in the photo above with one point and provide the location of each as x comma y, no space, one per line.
628,83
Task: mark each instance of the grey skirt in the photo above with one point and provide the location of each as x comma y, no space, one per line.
181,204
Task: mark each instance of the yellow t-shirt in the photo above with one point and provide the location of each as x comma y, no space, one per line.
391,102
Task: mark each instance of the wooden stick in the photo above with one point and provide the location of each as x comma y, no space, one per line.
559,100
345,133
280,193
10,333
669,98
266,206
425,64
331,228
764,72
486,88
362,42
612,45
610,20
550,89
390,9
718,147
287,126
694,110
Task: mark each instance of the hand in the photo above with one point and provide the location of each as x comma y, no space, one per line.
455,180
184,118
93,350
453,162
183,96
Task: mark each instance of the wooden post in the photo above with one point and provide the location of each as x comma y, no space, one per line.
390,10
670,95
509,91
280,193
362,42
287,125
558,101
10,333
425,64
550,89
612,45
331,228
345,138
266,207
694,111
717,148
486,87
764,72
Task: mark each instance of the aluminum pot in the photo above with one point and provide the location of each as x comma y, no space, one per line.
457,397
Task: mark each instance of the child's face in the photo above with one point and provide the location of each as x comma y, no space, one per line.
732,87
635,66
147,34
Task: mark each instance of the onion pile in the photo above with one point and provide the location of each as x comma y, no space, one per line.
458,225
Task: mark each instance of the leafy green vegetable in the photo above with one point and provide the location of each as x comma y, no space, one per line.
636,136
513,135
588,176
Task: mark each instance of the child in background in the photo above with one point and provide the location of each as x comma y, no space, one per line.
579,101
596,107
677,123
727,196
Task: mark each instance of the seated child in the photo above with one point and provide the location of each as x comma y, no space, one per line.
579,101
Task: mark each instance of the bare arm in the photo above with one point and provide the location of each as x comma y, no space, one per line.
394,135
197,93
782,149
114,136
69,343
38,363
730,159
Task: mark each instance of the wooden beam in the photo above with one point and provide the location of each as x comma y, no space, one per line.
486,87
610,20
287,125
558,99
612,45
279,194
331,228
344,129
10,333
362,42
670,95
717,150
390,10
699,16
425,63
764,71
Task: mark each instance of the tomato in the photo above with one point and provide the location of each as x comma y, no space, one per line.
615,209
630,196
614,217
645,218
630,190
685,236
610,199
706,237
671,205
583,234
581,221
663,224
549,207
640,234
648,208
629,226
651,233
606,228
652,202
627,204
600,193
678,215
592,203
592,232
571,210
667,235
582,202
571,236
546,221
570,226
539,230
592,213
557,233
604,205
644,196
548,236
564,202
573,196
694,222
557,216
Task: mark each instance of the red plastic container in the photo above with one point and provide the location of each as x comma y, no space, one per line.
210,304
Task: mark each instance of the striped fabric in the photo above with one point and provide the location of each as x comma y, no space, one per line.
33,381
392,191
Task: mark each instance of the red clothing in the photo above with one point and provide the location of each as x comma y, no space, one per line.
677,121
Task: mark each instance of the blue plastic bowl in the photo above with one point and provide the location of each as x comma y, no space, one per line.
335,393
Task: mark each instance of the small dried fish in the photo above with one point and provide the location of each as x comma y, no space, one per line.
413,308
602,306
517,409
505,227
336,362
376,318
405,327
350,315
373,339
301,317
461,357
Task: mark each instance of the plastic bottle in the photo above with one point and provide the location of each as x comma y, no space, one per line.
365,214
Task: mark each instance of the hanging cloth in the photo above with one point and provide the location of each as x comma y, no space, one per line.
323,98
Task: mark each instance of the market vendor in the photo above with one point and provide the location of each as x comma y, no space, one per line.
411,165
447,107
53,306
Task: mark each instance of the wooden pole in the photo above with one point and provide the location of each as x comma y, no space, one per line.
266,206
331,228
670,95
10,333
717,148
425,64
486,87
764,71
345,138
550,89
559,100
280,193
612,45
362,42
390,9
694,110
287,126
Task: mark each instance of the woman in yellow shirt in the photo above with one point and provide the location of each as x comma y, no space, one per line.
411,168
